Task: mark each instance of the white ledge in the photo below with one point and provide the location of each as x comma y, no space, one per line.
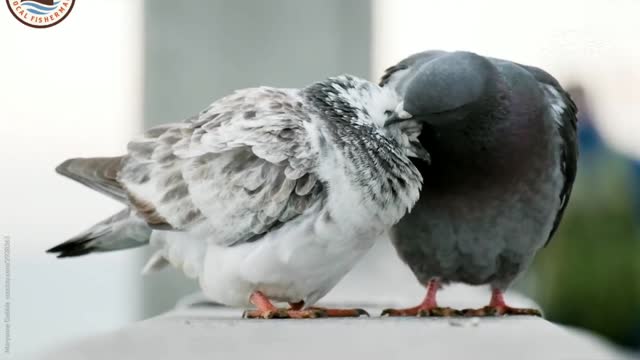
219,333
211,333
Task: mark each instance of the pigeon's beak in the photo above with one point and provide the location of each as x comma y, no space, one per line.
399,115
420,152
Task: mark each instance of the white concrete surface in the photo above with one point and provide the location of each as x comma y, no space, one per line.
200,331
211,332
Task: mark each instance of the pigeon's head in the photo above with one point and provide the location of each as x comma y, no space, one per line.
447,89
366,105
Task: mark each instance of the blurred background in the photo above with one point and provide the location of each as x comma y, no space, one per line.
115,67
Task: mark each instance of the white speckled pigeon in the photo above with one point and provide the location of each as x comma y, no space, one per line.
267,195
502,140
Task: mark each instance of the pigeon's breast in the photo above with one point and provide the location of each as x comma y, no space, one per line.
301,260
482,224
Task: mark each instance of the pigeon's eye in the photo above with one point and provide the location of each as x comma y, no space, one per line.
388,112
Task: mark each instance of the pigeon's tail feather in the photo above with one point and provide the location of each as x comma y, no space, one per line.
100,174
120,231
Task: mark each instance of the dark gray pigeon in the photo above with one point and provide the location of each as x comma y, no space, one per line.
502,140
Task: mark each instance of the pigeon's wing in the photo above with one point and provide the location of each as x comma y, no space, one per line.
238,169
97,173
564,112
396,74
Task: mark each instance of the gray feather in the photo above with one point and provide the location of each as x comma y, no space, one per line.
120,231
97,173
233,167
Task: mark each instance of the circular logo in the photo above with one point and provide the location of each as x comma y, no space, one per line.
40,13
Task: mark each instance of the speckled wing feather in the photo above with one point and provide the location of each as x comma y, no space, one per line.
564,112
235,171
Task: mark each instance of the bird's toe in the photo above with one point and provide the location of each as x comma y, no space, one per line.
500,311
399,312
439,312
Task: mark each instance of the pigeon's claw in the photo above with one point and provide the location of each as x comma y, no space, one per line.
284,314
342,312
428,307
264,314
420,311
401,312
498,307
439,312
331,312
490,310
266,310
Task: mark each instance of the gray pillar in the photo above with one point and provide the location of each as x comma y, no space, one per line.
197,51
